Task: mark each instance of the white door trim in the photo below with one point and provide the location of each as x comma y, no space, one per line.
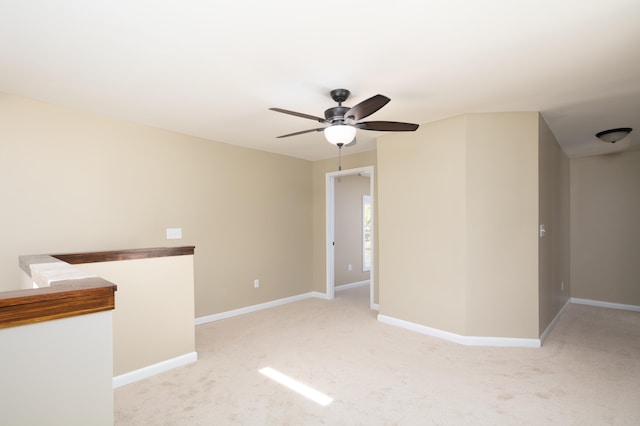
330,228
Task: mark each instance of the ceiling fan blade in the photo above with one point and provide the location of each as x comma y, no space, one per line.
319,129
366,107
387,126
299,114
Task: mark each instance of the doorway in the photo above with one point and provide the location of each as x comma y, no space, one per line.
330,186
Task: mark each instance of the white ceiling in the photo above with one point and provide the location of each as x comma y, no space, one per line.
213,68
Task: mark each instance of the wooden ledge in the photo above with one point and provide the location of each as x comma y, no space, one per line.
109,256
64,299
67,298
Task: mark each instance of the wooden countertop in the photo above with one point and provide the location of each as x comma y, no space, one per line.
64,299
70,297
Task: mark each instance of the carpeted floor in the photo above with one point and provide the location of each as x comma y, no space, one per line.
587,373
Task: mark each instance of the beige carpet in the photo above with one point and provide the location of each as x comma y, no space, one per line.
587,373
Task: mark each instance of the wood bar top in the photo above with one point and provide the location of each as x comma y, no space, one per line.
70,297
64,299
108,256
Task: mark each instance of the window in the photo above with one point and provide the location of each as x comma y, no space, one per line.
366,233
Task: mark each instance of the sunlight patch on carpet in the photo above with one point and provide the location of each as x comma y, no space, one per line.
296,386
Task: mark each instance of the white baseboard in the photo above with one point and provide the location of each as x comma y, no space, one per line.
351,285
274,303
152,370
258,307
553,322
457,338
600,304
319,295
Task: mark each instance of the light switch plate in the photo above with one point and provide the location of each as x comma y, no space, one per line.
174,233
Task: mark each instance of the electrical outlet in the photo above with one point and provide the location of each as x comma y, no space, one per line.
562,285
256,283
349,268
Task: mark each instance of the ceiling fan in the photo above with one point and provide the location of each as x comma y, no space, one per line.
342,122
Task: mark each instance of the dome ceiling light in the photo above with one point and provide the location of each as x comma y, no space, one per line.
613,135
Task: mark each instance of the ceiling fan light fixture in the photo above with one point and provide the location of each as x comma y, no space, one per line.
613,135
340,134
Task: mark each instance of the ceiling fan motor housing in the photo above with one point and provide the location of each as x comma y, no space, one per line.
336,114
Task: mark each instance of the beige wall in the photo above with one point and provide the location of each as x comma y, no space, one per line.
421,225
458,209
320,169
348,228
153,318
605,235
73,181
553,250
502,225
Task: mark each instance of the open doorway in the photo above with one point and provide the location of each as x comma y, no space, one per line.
355,264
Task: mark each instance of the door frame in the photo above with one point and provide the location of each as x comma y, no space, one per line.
330,228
